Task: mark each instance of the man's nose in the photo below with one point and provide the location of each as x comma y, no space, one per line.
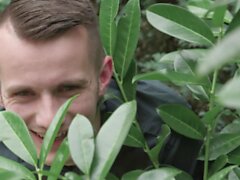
48,106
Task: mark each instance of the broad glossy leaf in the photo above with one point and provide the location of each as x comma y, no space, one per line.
108,27
161,139
186,54
128,86
185,63
218,56
9,175
15,135
182,120
183,176
53,130
165,173
210,117
218,16
81,143
132,175
221,174
218,164
233,127
233,175
111,137
59,160
134,138
204,13
222,144
229,95
111,176
220,3
180,23
15,168
199,92
174,77
128,29
234,156
203,4
235,23
73,176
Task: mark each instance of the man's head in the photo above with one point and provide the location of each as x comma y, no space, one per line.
50,51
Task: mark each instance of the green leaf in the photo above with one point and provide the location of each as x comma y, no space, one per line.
73,176
185,54
233,127
235,23
15,168
185,62
210,117
182,120
221,174
108,27
165,173
127,37
234,174
132,175
218,56
134,138
111,176
234,156
218,164
229,95
111,137
59,160
128,86
53,130
8,175
222,144
219,14
180,23
174,77
15,135
81,143
161,139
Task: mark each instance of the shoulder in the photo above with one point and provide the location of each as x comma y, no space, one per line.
149,95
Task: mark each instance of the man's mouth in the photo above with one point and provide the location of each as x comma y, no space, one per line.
59,136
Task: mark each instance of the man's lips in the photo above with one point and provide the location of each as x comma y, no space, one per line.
40,136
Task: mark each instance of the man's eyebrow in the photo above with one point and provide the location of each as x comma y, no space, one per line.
18,88
81,82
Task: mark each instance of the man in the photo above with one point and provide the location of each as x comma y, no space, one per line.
50,51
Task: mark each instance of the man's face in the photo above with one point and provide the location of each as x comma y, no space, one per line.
38,77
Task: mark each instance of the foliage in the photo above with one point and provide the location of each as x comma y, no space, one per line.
214,27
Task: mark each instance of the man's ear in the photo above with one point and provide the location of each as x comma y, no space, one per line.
105,74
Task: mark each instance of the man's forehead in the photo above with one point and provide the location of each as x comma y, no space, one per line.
6,27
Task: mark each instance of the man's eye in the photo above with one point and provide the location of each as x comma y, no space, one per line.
23,93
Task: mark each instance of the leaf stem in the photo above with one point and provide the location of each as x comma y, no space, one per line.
209,128
39,174
207,143
146,147
213,89
119,83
